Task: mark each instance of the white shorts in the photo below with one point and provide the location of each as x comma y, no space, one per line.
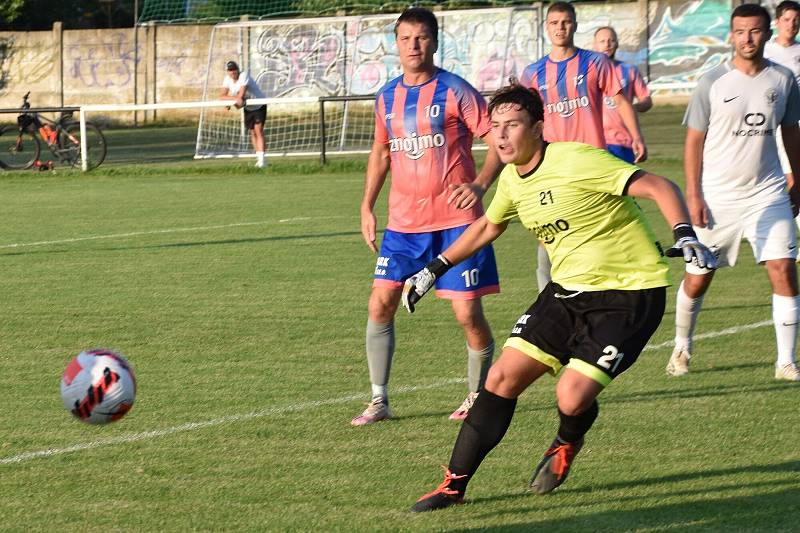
770,230
787,169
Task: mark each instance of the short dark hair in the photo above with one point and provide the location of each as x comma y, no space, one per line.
786,5
751,10
516,94
419,15
562,7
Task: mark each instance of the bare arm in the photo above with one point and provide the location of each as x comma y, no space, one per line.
377,169
644,105
664,193
791,142
477,235
692,169
467,195
631,121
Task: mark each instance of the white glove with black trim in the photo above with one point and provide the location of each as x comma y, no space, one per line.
417,285
692,250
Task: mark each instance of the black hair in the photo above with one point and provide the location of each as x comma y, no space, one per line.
525,98
752,10
786,5
419,15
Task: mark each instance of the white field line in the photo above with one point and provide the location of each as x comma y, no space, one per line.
162,231
305,406
191,426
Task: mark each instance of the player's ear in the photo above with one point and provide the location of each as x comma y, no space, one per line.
538,128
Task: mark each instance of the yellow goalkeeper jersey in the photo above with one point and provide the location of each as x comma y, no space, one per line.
572,202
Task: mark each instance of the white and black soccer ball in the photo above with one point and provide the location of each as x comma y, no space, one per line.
98,386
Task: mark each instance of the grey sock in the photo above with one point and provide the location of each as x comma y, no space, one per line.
380,349
478,365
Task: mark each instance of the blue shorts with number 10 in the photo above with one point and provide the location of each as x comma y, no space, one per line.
404,254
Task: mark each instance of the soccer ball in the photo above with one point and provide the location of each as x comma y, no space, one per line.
98,386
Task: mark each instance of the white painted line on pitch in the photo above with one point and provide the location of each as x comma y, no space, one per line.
191,426
713,334
163,231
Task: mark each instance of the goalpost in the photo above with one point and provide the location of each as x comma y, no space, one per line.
308,122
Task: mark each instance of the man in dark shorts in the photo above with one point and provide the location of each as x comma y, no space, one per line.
606,297
238,86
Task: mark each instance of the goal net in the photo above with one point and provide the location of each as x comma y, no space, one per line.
344,61
295,126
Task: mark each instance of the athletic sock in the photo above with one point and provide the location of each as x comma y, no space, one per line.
380,349
482,430
478,363
542,268
785,317
686,311
574,427
260,157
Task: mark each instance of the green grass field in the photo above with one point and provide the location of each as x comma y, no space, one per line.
240,298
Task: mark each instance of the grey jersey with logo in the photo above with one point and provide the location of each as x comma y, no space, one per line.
740,114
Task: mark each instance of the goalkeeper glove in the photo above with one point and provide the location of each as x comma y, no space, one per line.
692,250
417,285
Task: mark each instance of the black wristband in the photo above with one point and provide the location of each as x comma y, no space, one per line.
683,230
439,266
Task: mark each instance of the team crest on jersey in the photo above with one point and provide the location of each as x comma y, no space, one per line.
771,96
414,146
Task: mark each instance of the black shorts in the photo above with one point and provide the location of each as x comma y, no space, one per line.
599,334
251,118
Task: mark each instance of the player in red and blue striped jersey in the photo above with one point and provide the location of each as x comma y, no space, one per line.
572,83
425,121
618,138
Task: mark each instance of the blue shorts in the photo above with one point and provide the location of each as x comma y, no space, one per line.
623,152
404,254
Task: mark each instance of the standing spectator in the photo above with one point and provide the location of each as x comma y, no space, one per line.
238,86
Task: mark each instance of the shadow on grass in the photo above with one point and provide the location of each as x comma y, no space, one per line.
767,508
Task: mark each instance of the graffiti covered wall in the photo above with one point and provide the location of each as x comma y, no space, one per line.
687,39
672,41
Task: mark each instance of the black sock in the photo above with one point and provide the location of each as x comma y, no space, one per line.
482,430
573,428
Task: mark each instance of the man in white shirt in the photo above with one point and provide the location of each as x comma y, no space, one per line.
785,50
238,86
735,187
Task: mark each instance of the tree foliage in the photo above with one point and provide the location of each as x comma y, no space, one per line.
32,15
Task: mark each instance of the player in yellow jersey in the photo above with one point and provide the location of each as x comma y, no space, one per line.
606,298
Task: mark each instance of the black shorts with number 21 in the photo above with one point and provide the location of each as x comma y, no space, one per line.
599,333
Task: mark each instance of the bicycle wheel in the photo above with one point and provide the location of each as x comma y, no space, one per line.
70,144
18,152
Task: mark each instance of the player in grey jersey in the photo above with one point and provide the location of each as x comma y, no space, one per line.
785,50
735,187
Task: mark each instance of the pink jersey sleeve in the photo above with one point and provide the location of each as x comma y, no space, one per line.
474,112
381,135
607,78
640,90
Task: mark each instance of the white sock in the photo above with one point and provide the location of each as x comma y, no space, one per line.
379,390
785,316
686,311
260,157
542,268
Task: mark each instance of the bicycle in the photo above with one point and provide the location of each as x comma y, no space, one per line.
21,145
